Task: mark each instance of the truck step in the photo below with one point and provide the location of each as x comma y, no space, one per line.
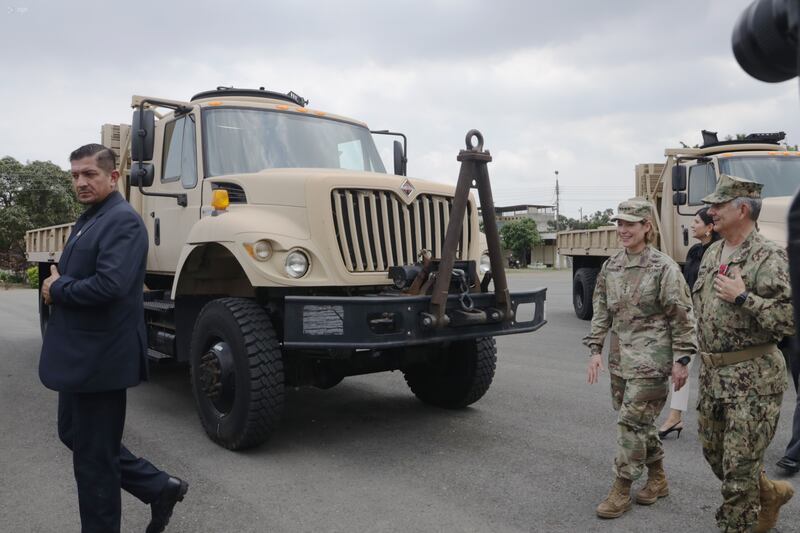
160,305
157,356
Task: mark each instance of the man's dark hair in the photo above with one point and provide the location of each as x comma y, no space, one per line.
105,157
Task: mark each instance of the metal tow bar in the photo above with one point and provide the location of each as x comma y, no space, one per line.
473,173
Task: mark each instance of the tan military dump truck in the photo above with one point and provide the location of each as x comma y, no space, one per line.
282,254
676,188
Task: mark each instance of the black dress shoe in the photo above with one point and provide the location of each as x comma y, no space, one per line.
161,509
790,465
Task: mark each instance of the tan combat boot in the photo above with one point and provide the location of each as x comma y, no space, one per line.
656,486
618,500
772,494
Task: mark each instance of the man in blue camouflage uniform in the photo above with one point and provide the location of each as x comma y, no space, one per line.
743,305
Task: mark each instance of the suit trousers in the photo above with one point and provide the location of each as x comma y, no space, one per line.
91,425
793,448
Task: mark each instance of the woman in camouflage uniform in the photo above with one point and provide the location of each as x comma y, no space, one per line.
642,298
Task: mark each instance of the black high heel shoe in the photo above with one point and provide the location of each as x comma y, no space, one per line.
673,427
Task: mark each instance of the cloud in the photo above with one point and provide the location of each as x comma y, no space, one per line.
572,86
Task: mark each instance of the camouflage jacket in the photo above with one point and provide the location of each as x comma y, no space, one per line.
644,301
765,317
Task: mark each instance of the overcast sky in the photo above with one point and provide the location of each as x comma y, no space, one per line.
586,88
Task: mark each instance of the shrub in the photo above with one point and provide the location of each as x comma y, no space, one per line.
33,277
9,277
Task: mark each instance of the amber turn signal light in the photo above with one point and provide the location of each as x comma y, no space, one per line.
220,200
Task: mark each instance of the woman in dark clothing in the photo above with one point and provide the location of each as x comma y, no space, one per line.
703,231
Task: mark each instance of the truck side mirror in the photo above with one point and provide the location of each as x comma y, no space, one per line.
142,174
679,198
679,178
400,160
143,127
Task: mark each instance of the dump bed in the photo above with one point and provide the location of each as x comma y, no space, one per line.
45,244
593,242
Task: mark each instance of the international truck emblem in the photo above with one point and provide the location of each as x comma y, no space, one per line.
407,188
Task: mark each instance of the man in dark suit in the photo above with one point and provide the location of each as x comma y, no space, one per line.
95,347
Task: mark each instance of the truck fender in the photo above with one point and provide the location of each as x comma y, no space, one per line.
286,226
237,282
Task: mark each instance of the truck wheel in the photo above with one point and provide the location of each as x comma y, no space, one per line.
459,375
237,373
582,292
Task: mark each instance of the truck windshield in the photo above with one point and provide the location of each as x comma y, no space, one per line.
240,141
779,175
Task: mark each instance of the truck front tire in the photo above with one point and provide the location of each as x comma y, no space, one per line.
582,292
237,373
456,376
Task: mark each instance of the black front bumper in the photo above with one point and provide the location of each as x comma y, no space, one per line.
373,322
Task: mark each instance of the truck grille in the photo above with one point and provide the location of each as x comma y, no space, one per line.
376,230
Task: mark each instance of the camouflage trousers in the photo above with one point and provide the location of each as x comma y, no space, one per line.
735,433
639,402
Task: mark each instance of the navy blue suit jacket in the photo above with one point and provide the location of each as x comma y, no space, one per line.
96,338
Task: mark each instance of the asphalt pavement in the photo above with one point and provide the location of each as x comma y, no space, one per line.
534,455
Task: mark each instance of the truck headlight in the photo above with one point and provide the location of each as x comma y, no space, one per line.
297,264
486,264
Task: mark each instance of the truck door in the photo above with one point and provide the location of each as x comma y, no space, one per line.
178,173
702,180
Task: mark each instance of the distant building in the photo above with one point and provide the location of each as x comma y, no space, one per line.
544,253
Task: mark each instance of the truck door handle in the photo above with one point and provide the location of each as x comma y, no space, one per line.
685,236
157,232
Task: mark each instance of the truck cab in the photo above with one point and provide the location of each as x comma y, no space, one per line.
694,174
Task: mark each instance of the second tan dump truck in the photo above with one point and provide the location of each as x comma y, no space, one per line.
283,254
676,188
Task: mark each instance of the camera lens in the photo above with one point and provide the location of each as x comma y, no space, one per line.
764,43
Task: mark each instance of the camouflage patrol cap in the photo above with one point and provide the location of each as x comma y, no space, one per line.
730,187
634,210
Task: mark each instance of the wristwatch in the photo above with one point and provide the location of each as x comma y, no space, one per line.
683,360
739,300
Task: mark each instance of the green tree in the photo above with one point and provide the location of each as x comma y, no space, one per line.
32,195
599,218
519,236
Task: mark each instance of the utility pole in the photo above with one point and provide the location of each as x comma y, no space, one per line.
580,209
558,218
